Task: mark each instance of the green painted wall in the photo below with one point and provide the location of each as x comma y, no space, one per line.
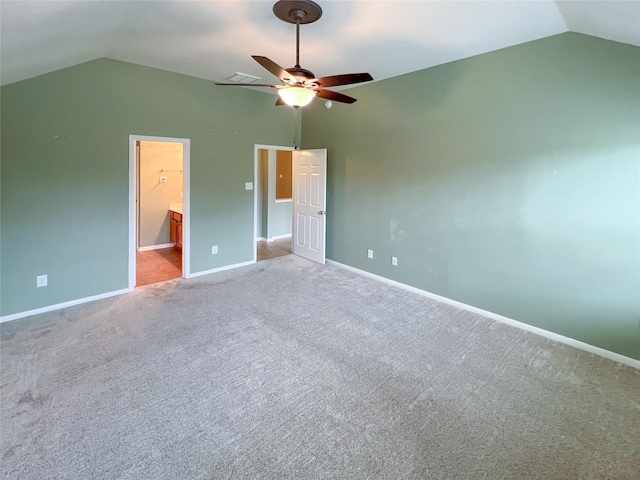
508,181
65,169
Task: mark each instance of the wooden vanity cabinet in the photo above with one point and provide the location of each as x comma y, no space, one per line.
175,229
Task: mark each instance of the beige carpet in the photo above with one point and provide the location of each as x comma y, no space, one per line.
292,370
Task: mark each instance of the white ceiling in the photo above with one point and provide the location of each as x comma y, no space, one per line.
214,39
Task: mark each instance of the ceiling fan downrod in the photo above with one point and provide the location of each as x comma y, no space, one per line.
299,12
298,43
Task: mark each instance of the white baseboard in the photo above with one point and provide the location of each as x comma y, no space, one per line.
58,306
274,238
221,269
279,237
616,357
155,247
71,303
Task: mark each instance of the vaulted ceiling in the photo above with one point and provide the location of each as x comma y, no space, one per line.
214,39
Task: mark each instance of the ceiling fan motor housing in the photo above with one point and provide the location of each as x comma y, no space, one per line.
300,73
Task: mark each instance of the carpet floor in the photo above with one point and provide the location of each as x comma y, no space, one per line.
288,369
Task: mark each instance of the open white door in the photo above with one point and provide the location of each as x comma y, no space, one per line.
309,203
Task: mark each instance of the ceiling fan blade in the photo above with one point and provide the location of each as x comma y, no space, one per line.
335,96
337,80
274,68
247,85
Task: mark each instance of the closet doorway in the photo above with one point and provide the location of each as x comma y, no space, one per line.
159,218
273,202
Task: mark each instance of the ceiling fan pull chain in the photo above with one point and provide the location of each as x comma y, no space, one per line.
295,128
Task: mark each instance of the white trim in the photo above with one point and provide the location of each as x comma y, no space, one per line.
283,200
273,239
186,208
186,202
156,247
256,158
221,269
58,306
616,357
278,237
71,303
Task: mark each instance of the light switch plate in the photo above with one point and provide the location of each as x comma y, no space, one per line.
248,186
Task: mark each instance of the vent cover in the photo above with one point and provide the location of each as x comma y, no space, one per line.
242,78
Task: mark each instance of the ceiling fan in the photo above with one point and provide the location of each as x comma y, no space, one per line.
299,85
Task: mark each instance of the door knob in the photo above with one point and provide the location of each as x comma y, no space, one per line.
322,213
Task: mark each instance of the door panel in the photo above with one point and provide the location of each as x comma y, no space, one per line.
309,203
303,197
314,234
301,237
315,188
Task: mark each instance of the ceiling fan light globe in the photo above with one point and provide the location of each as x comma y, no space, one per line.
296,96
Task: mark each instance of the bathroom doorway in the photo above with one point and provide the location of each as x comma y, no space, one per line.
160,206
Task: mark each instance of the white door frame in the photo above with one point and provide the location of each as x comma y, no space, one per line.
256,160
186,202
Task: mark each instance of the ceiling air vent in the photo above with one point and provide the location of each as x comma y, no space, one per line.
242,78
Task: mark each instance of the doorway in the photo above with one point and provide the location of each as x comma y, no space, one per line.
273,202
305,216
159,209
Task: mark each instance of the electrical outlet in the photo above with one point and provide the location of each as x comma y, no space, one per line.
394,261
370,253
214,249
42,281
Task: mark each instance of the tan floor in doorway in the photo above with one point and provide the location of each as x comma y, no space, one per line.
274,249
155,266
